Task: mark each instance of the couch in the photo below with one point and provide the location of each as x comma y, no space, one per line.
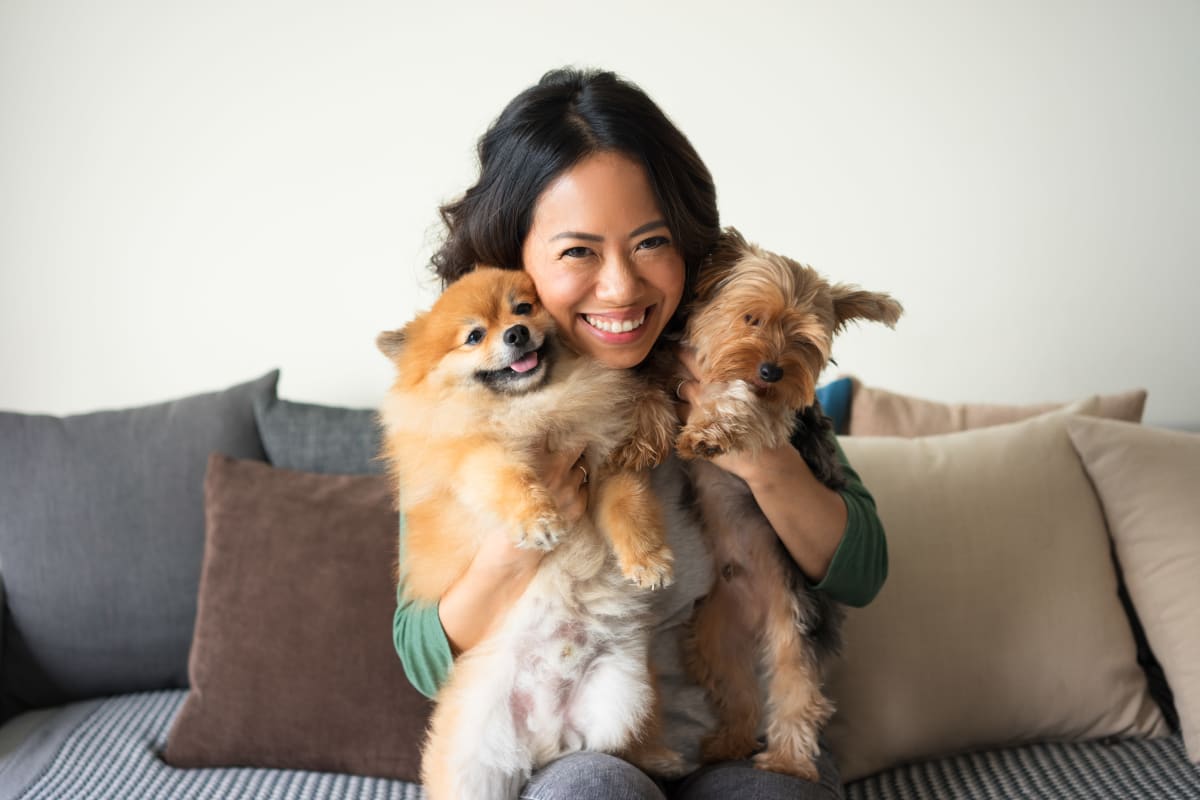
196,596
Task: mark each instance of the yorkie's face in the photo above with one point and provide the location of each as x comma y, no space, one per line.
768,320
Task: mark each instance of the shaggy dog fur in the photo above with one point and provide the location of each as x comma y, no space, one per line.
762,326
481,382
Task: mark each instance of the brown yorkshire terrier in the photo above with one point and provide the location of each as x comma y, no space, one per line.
762,326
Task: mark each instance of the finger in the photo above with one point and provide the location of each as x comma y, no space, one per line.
685,390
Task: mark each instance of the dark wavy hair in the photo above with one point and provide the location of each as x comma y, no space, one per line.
548,128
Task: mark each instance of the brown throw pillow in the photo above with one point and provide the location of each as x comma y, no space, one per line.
292,664
878,412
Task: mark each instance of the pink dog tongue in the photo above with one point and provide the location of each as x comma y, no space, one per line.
526,363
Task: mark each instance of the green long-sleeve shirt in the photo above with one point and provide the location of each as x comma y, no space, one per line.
855,576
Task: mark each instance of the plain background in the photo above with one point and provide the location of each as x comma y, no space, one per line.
192,193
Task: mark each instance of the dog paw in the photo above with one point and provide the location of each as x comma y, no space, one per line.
727,746
803,767
663,762
701,443
652,570
542,532
642,453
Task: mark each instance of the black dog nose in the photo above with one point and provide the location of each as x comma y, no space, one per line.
770,372
516,336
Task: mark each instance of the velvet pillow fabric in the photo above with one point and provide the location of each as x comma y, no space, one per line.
1000,621
101,538
292,663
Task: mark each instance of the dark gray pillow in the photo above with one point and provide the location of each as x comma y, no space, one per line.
315,438
101,541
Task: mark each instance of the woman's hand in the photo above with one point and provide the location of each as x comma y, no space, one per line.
566,479
808,517
481,598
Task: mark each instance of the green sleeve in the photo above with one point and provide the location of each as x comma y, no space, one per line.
860,564
419,638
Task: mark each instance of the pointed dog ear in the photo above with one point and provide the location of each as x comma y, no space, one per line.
852,303
730,247
391,343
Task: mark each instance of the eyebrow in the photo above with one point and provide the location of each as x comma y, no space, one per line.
591,237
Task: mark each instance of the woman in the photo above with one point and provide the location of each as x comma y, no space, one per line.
586,185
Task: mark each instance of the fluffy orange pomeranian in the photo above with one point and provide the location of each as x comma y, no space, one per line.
481,383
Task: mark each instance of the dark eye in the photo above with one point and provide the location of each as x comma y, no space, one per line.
475,336
522,309
576,252
751,319
654,242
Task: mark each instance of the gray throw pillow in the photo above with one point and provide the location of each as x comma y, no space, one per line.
315,438
101,541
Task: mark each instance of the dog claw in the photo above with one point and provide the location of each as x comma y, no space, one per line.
653,572
544,535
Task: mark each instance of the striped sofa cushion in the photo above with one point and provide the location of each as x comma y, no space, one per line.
109,750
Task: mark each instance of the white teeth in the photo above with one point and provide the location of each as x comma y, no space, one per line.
615,326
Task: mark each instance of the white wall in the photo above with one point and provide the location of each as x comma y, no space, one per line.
193,193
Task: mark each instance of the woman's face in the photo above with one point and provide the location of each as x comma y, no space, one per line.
603,261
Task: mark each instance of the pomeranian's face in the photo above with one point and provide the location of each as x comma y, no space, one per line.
487,330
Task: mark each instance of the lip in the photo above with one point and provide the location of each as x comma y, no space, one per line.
622,338
505,378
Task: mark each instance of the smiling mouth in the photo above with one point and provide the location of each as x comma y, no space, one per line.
615,325
518,372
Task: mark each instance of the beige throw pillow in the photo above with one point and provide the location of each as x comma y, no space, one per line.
878,412
1148,480
1000,621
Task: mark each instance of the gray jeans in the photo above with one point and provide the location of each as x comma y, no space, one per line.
598,776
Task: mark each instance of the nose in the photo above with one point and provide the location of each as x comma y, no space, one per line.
770,372
516,336
617,282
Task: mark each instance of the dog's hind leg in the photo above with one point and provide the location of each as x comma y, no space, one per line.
649,752
475,780
797,708
719,655
607,709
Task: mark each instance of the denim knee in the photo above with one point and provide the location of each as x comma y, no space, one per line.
590,776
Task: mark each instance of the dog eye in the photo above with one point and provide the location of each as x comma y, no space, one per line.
751,319
522,309
475,336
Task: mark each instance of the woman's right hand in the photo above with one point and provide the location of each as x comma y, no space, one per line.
481,598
